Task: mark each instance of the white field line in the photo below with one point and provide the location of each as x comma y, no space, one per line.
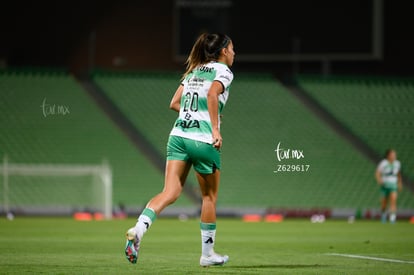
370,258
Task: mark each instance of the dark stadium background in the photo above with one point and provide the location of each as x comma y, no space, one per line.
85,87
140,34
331,78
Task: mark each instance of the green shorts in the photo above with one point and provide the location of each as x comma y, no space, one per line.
386,191
203,156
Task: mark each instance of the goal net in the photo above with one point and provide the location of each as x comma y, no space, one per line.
56,189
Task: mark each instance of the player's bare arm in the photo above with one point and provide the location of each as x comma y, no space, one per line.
400,183
212,102
175,101
378,177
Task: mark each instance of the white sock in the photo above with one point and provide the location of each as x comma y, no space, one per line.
144,222
393,217
208,238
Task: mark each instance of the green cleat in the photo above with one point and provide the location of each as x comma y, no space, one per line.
132,246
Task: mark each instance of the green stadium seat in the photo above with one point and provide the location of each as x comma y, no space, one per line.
379,111
259,114
83,136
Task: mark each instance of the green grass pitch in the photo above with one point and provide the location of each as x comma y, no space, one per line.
65,246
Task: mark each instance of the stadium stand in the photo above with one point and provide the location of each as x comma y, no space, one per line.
144,98
33,132
260,114
377,110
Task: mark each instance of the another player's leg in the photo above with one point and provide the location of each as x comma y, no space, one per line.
175,176
393,206
209,184
384,203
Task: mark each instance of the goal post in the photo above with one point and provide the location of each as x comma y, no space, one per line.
56,188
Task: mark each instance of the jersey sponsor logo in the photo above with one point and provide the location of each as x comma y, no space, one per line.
205,69
197,79
186,124
195,82
390,173
187,116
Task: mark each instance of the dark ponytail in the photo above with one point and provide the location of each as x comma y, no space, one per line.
388,152
206,48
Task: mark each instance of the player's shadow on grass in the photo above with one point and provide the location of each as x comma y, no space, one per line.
291,266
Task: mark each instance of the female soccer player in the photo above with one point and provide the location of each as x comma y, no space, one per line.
388,176
195,140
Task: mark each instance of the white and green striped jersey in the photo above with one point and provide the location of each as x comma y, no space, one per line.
194,120
389,172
